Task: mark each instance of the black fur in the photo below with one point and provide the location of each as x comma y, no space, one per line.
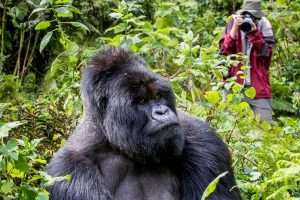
132,142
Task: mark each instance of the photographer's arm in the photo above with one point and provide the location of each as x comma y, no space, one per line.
227,43
262,44
262,38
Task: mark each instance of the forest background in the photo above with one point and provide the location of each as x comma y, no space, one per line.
45,44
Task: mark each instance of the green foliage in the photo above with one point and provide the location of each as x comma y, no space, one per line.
286,75
277,177
9,87
19,159
46,43
39,22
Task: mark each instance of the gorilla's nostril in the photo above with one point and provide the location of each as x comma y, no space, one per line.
161,111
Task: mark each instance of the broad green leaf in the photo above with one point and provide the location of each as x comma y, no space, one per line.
79,25
3,108
74,10
212,97
5,128
28,192
244,67
115,15
42,196
62,1
236,88
119,28
250,92
241,107
255,176
63,12
15,173
281,2
10,149
36,10
180,60
42,25
7,187
45,40
193,95
11,145
19,11
161,22
22,164
36,142
265,125
50,180
189,36
212,186
44,2
41,161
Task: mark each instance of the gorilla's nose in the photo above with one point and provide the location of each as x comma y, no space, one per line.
161,112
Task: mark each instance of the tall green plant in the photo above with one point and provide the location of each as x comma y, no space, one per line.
19,165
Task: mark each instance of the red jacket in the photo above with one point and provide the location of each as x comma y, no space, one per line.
260,58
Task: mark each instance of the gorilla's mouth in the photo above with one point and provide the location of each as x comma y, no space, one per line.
163,128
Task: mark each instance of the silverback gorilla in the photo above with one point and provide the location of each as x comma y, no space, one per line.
133,144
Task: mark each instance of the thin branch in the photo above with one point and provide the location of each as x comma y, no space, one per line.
24,66
231,132
18,63
36,38
3,32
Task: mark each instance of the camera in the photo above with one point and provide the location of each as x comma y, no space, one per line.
246,24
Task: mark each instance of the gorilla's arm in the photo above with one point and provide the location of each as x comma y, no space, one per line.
205,156
85,182
77,159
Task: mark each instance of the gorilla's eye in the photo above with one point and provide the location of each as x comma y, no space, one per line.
142,100
157,97
139,100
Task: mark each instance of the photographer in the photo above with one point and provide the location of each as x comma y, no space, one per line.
250,33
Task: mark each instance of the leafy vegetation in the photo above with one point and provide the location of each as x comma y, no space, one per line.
46,43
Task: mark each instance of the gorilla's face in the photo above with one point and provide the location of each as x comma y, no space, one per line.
134,107
141,118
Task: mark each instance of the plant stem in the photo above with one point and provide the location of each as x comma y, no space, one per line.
228,137
32,50
2,33
24,66
18,63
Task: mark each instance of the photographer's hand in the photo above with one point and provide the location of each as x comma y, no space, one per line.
237,21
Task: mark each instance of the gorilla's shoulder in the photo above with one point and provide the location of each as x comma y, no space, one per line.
195,128
204,157
201,138
189,121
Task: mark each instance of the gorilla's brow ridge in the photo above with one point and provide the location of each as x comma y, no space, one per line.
142,86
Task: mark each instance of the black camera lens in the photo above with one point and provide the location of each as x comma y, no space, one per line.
246,26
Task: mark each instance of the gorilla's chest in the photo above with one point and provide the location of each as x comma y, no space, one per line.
127,181
147,187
